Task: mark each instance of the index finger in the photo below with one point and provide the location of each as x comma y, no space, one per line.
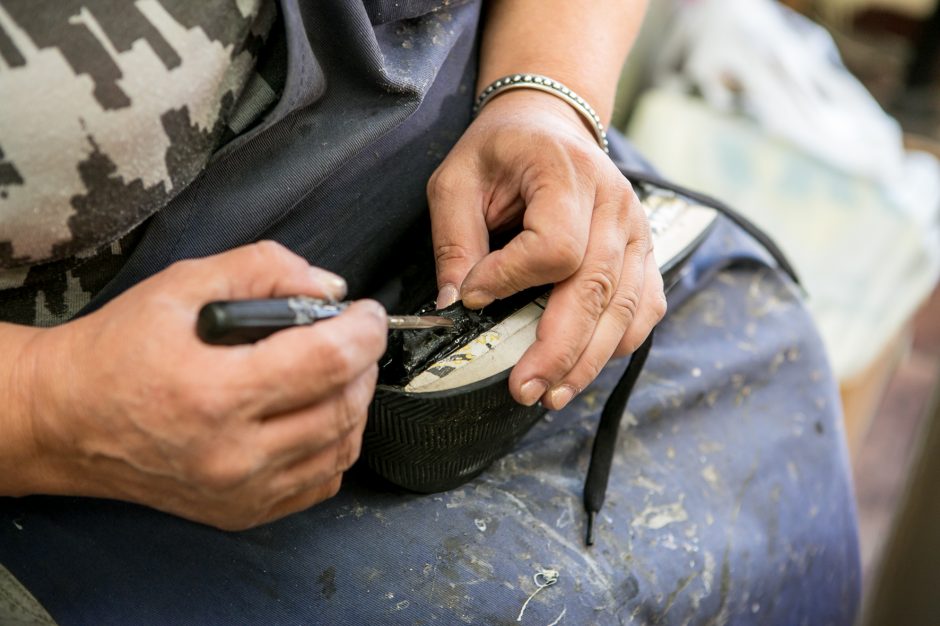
265,269
548,250
458,231
300,366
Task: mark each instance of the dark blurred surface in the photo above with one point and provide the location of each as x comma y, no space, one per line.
898,59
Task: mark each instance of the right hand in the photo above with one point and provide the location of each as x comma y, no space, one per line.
128,403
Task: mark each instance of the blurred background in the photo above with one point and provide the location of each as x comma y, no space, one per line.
820,120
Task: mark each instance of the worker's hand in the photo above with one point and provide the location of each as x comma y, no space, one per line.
128,403
528,158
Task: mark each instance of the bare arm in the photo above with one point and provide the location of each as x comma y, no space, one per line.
581,43
529,158
22,464
127,403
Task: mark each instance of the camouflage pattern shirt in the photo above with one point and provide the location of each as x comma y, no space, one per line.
108,109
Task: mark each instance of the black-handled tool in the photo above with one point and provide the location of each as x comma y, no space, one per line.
232,322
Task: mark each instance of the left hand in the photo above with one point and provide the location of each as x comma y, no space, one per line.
528,157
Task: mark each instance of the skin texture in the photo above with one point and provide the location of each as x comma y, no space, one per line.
529,159
231,437
238,436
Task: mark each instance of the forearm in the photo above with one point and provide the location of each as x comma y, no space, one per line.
20,458
128,403
581,43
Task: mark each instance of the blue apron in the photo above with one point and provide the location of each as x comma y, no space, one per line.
730,497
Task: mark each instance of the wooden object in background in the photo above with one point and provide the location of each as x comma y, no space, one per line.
862,394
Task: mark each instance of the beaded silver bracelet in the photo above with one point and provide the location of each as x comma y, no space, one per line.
543,83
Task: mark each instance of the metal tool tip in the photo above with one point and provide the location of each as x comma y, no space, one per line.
441,322
403,322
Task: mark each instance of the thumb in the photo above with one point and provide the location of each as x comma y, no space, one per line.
458,231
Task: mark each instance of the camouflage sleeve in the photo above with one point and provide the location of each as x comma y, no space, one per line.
109,109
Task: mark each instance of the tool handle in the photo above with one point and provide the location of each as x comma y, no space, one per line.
232,322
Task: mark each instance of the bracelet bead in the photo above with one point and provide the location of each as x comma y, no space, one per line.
547,85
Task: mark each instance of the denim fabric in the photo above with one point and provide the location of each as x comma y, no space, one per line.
729,500
729,503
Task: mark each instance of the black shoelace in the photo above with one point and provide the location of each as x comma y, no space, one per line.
605,440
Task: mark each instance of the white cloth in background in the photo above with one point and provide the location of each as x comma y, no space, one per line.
760,59
865,266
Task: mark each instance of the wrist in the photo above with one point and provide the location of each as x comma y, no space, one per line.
523,102
19,449
570,73
31,461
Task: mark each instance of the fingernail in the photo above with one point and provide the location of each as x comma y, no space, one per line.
477,299
447,296
561,396
334,286
532,390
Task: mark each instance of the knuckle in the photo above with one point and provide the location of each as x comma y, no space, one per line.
597,288
564,255
443,183
641,229
355,449
660,305
507,276
445,254
270,248
347,454
348,415
222,472
625,303
337,355
272,252
625,209
631,213
180,270
332,487
625,186
569,253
